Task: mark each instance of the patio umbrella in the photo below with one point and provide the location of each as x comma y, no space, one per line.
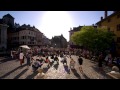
25,46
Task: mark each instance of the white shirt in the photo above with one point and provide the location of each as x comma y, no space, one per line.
21,55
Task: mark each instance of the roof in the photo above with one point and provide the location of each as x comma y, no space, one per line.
75,29
8,15
113,14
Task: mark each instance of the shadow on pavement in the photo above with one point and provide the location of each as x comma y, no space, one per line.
12,71
6,59
85,76
32,75
56,66
75,73
45,70
17,77
103,73
67,69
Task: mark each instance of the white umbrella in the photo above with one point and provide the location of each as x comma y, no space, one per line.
25,46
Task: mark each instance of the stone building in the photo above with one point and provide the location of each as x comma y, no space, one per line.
16,35
112,23
59,42
3,36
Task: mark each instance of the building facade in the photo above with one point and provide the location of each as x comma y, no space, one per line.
59,42
112,23
17,35
3,36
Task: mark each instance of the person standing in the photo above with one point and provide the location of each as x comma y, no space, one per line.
12,54
100,60
21,57
72,63
28,56
80,60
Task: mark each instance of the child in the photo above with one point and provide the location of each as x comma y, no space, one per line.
72,63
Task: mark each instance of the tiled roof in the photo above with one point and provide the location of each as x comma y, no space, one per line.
113,14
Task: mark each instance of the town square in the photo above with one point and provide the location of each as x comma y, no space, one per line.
59,44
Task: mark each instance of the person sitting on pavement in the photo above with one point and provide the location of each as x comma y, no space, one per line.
51,61
35,65
47,61
64,60
56,60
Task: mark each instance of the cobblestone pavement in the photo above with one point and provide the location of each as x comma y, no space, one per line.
10,69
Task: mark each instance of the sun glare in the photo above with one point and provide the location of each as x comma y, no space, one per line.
56,23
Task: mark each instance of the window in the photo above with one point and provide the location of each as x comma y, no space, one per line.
118,39
118,27
109,20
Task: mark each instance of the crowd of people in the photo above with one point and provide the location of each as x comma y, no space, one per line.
46,57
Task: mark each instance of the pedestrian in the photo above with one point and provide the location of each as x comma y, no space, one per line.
80,60
28,57
21,57
72,63
106,59
12,54
100,60
35,65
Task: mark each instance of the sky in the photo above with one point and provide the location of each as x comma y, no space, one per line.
54,23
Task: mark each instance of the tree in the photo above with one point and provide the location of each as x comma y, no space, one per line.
94,39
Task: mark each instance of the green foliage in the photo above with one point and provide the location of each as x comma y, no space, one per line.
93,38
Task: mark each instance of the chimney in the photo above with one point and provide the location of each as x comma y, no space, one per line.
101,18
105,14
